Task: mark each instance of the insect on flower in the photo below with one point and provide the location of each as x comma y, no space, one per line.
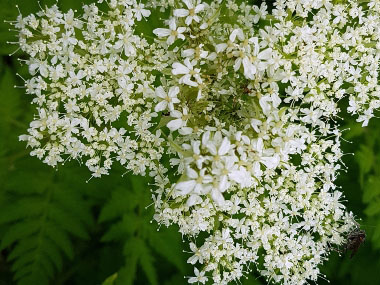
246,90
354,239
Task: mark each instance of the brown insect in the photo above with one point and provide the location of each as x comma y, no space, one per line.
354,239
246,90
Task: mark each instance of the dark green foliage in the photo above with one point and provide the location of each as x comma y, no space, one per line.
132,227
368,159
38,224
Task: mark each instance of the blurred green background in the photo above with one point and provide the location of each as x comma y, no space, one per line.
57,229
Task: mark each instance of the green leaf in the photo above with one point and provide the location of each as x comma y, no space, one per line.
371,189
120,202
39,226
127,274
168,244
365,159
146,260
373,208
110,280
19,231
131,226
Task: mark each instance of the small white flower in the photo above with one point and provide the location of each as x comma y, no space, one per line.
180,121
191,12
199,277
140,11
198,184
260,12
172,33
75,79
197,255
188,71
125,42
168,99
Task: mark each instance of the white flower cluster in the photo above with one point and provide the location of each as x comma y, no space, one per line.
89,75
240,104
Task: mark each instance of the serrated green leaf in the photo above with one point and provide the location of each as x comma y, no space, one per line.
67,221
22,248
24,260
61,239
19,231
146,260
168,243
25,207
25,270
116,232
51,250
73,202
38,277
120,202
127,274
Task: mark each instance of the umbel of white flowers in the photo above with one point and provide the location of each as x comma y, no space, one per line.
243,103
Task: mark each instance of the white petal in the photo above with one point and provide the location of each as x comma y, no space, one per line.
185,186
172,24
189,4
161,106
223,184
217,197
206,138
188,52
212,148
191,173
271,162
162,32
212,56
249,68
173,91
160,92
186,80
242,177
224,147
181,12
176,114
199,8
185,131
237,63
265,54
181,30
233,35
179,68
259,145
255,125
170,40
174,125
188,20
145,13
221,47
256,169
204,26
199,96
193,200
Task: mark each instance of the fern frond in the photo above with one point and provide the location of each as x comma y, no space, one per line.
126,209
38,228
